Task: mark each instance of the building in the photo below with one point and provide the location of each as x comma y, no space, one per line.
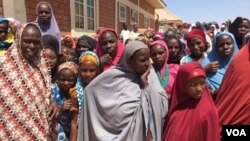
167,19
78,17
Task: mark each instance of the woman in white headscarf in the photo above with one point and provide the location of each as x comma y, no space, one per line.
125,103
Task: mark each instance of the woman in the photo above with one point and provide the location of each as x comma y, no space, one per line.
217,62
166,72
233,99
46,20
25,89
239,28
192,115
68,41
197,44
126,102
51,50
176,49
85,43
109,49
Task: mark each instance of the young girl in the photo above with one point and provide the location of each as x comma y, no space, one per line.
192,114
88,70
67,75
166,72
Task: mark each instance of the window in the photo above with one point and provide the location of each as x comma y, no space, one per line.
122,13
134,16
79,14
85,12
146,22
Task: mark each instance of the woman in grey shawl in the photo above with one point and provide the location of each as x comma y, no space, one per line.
125,103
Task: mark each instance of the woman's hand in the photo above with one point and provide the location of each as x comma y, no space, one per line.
53,111
212,67
144,77
106,59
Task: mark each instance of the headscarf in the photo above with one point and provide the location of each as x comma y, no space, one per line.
99,52
71,40
51,28
24,94
191,119
214,79
69,65
233,99
80,85
197,33
90,42
168,72
117,108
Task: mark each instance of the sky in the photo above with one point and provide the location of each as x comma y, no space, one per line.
191,11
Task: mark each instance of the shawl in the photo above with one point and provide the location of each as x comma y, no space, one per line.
99,52
233,99
191,119
24,95
172,69
214,79
116,108
51,28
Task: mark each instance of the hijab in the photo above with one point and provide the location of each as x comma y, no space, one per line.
51,28
100,53
191,119
117,108
214,79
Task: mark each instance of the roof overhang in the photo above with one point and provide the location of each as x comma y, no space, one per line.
157,4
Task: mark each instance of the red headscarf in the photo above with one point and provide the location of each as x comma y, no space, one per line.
197,33
233,98
120,48
191,119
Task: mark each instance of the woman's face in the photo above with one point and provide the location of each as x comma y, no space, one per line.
81,47
3,30
109,43
88,71
174,48
66,79
31,42
243,28
197,47
158,55
68,43
196,87
51,57
225,46
44,13
139,62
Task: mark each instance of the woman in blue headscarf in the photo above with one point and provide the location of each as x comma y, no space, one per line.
216,63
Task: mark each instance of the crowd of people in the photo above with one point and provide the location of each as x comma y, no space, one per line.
180,85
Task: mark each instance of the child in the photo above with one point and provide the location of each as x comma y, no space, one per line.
67,75
192,115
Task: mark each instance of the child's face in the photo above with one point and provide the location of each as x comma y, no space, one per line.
197,47
3,30
87,71
66,79
51,57
67,42
195,87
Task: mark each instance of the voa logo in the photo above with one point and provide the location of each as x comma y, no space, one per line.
236,132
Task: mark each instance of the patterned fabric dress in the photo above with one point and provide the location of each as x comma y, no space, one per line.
24,96
63,126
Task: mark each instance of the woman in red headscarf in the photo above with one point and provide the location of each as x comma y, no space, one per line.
109,49
192,115
233,97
